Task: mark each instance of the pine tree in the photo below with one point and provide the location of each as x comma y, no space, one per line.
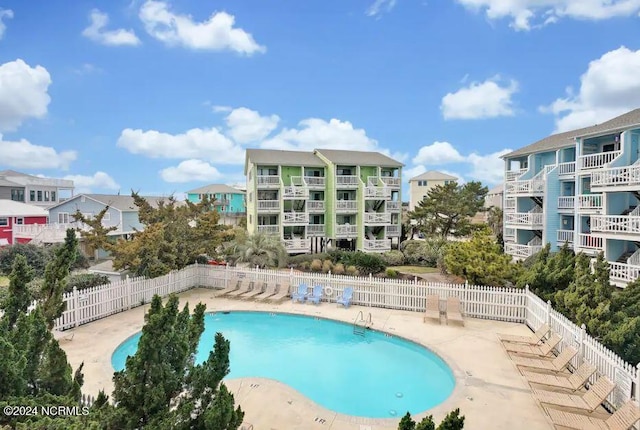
18,297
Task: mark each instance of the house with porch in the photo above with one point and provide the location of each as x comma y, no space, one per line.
229,201
15,214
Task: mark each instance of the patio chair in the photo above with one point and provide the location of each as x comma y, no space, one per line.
269,291
573,382
258,288
532,339
301,294
316,294
453,310
432,310
622,419
281,294
555,365
543,350
345,298
589,401
242,289
232,285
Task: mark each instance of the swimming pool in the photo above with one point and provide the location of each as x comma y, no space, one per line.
375,375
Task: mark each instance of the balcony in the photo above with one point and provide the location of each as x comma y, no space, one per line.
595,161
297,245
269,229
315,205
268,181
393,206
509,234
49,233
380,193
567,169
377,218
510,204
565,236
347,181
566,202
590,202
346,230
295,192
315,182
376,245
511,175
532,220
589,242
268,205
316,230
390,181
532,187
521,252
622,273
392,230
616,224
346,206
295,218
628,176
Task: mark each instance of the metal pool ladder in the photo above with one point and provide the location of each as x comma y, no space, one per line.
360,325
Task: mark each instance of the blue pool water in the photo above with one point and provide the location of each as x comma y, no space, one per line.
376,376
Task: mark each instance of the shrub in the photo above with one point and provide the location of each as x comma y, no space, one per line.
338,269
304,265
327,265
36,256
423,252
365,263
315,266
85,280
352,271
391,273
393,258
297,260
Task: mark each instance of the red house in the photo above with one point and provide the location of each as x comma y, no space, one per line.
16,215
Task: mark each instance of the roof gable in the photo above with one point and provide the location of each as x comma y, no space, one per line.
433,175
358,158
216,189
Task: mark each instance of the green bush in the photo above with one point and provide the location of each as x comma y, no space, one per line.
85,280
327,265
391,273
315,266
297,260
365,263
352,271
304,265
423,252
37,257
338,269
393,258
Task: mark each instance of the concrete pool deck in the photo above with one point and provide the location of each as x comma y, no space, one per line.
490,391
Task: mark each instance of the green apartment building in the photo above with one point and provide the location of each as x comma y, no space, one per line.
325,199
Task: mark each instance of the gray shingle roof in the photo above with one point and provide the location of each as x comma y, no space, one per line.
433,175
8,183
279,157
358,158
498,189
562,140
216,189
123,203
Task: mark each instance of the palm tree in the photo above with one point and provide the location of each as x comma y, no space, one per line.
258,249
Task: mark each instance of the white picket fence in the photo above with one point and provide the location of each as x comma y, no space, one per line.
501,304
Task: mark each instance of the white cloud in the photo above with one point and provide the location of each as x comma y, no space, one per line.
609,87
215,34
489,169
4,13
543,12
412,172
23,93
202,143
87,184
96,31
246,125
191,170
25,155
220,108
480,100
438,153
380,6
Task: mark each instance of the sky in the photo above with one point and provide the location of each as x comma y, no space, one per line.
162,97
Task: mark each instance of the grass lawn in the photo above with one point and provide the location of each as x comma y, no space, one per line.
415,269
4,281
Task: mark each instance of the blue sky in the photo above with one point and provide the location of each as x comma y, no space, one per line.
165,96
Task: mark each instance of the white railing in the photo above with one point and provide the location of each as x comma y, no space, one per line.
623,272
485,302
615,224
295,218
589,242
393,230
531,186
509,233
590,202
531,219
393,206
377,193
521,251
567,168
594,161
565,236
269,229
295,192
377,218
377,245
346,205
634,260
48,233
613,176
343,230
315,205
268,181
349,181
511,175
315,230
566,202
268,205
315,181
390,181
297,245
41,182
510,203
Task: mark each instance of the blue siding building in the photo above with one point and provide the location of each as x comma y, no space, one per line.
229,201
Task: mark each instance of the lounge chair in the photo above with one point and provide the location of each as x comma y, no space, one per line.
243,289
301,294
432,310
543,350
622,419
232,285
532,339
573,382
316,295
258,288
345,298
589,401
453,310
269,291
281,294
555,365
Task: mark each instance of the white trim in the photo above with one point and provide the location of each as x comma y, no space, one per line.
63,220
6,221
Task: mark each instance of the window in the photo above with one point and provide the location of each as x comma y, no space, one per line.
32,196
39,196
343,196
17,195
18,221
4,222
53,196
106,217
63,218
46,196
315,219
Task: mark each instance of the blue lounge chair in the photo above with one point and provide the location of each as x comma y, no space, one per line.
345,299
316,295
301,294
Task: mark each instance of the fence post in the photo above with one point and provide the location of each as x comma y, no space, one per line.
549,312
638,382
291,278
583,332
127,287
329,283
226,276
76,303
526,305
370,287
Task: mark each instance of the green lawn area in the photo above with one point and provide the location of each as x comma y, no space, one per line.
4,281
415,269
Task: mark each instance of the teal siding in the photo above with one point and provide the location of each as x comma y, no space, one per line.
634,154
615,248
193,198
550,206
618,202
236,201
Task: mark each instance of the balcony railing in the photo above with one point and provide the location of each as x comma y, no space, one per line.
392,230
588,202
268,205
377,193
509,233
528,219
565,169
622,272
510,204
295,218
41,182
316,205
269,181
594,161
295,192
530,187
377,218
347,181
390,181
269,229
566,202
517,250
346,206
393,206
511,175
344,230
46,232
297,245
565,236
627,224
315,181
315,230
377,245
616,176
588,241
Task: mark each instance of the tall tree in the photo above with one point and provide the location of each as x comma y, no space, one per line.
96,236
19,297
447,209
55,278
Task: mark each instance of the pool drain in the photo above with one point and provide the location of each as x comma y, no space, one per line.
399,395
393,412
